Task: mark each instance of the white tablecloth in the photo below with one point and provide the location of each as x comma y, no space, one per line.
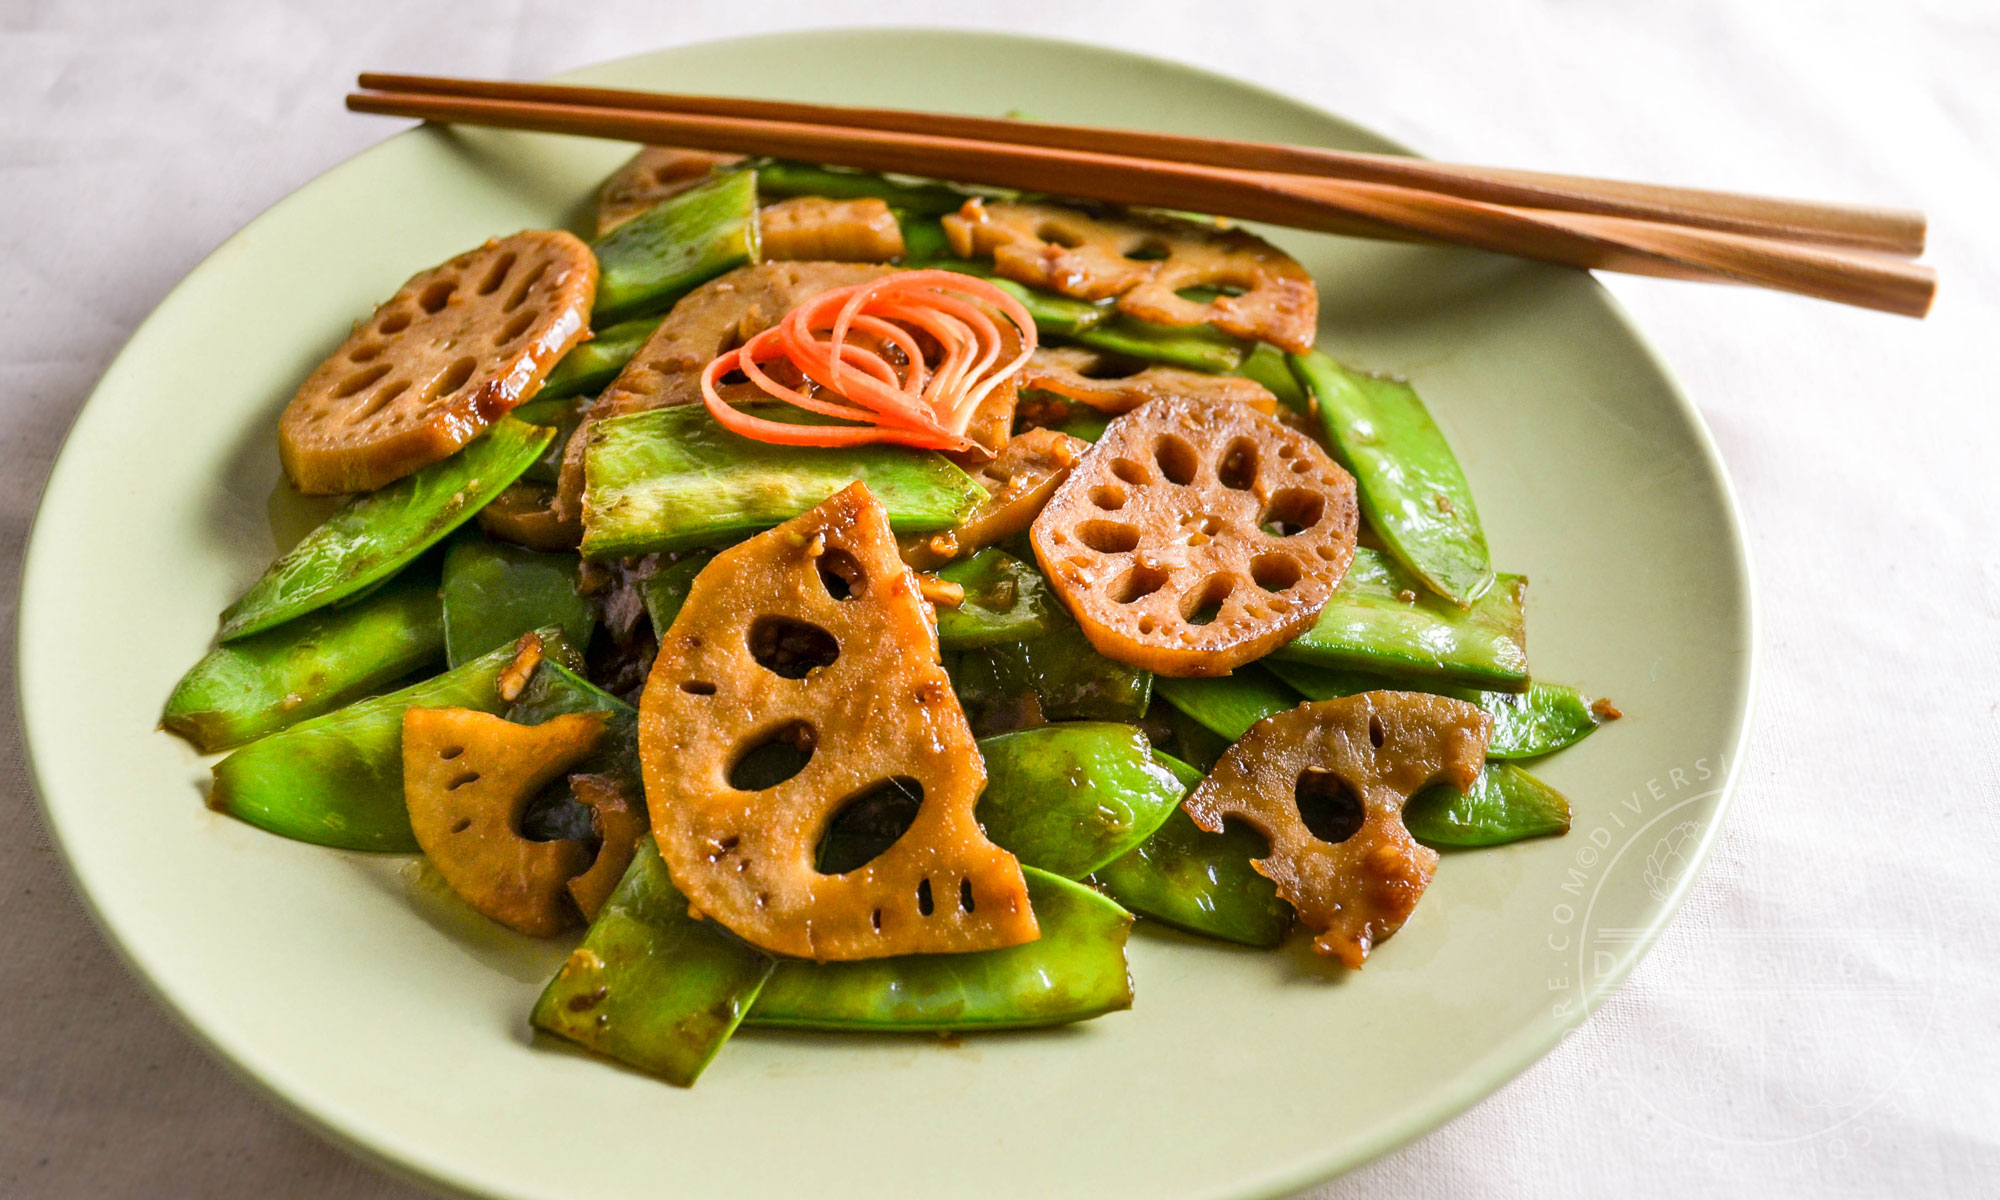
1824,1016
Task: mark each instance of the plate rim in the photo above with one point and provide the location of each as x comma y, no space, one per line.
1499,1064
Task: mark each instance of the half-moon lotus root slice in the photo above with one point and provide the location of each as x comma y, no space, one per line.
1146,262
1018,480
1111,384
815,228
619,822
650,176
1326,784
451,353
802,676
468,777
1195,537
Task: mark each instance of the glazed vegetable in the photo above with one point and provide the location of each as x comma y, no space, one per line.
1382,619
1070,679
1196,347
261,684
585,370
1541,720
666,589
923,238
1069,798
1266,364
671,478
378,534
782,177
1505,804
650,985
1006,600
494,592
1229,704
554,691
337,780
675,246
1412,489
1074,971
1056,316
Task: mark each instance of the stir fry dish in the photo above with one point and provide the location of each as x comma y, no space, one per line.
845,601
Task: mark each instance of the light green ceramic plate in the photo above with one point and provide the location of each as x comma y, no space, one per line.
386,1015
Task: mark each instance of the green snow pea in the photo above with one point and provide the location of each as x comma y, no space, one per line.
677,245
1196,347
1412,489
586,369
923,237
1053,315
926,197
1006,600
258,685
555,690
671,478
496,591
1069,798
1266,364
1069,677
1541,720
1382,619
1505,804
378,534
1229,704
666,589
650,986
1084,422
337,780
1074,971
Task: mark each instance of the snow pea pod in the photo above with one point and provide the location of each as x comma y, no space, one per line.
1072,681
677,245
337,780
924,238
1199,881
1053,315
1074,971
587,368
1541,720
243,690
1229,704
671,478
1411,487
1268,365
1196,347
651,986
1069,798
378,534
1505,804
496,591
928,197
666,589
1006,600
1383,620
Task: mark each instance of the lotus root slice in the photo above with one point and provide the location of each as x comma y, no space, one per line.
449,354
1146,262
802,675
816,228
654,174
1018,480
468,777
619,821
1109,383
1326,783
1196,537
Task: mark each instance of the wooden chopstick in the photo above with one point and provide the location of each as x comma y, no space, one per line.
1896,231
1585,240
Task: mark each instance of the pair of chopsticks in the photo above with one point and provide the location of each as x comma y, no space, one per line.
1850,254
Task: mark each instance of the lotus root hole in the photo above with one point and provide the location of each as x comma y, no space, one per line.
381,399
1329,806
1203,603
1131,472
1177,459
1049,231
698,687
1150,250
790,647
1109,497
455,376
461,825
515,328
395,322
1238,468
1112,366
965,902
864,826
840,573
1275,572
1293,511
1138,583
1376,736
521,289
925,905
1108,537
497,274
773,758
451,752
1148,624
360,381
437,295
366,352
462,779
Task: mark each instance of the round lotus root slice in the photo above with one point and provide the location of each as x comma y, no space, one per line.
1325,783
1146,262
451,353
1112,384
650,176
800,678
1195,537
